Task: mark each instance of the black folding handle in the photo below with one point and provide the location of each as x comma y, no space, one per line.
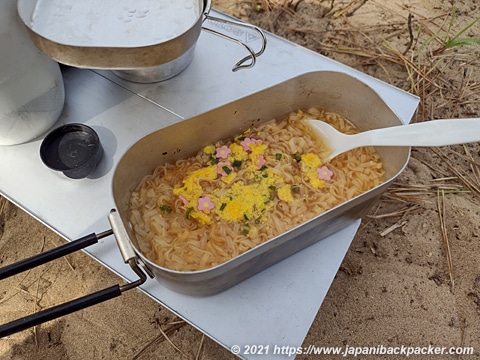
47,256
60,310
73,305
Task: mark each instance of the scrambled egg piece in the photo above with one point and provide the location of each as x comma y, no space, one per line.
200,217
246,202
229,178
209,149
191,191
237,153
309,165
285,193
257,149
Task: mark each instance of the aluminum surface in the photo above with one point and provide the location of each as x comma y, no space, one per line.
276,305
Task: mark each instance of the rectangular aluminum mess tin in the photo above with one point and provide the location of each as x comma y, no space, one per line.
332,91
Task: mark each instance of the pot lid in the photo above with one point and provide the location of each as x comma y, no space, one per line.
113,34
109,23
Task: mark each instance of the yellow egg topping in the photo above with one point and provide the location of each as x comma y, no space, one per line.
214,192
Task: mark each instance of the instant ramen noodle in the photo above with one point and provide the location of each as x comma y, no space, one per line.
233,195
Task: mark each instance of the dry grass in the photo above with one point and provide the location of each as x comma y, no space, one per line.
170,329
3,204
424,48
448,255
436,69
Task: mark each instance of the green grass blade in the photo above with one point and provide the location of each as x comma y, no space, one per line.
463,41
464,29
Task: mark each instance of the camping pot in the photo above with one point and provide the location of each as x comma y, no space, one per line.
148,45
327,90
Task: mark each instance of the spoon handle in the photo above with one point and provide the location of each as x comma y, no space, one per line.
428,133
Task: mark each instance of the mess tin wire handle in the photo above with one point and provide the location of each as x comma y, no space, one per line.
249,60
59,310
51,255
76,304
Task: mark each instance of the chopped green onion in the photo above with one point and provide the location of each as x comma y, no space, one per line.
297,157
278,156
189,211
222,207
273,188
236,163
246,229
264,167
166,208
227,169
295,188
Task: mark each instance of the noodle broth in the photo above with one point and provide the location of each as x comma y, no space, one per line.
236,194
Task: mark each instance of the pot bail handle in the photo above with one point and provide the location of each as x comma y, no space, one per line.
59,310
125,246
73,305
252,58
47,256
76,304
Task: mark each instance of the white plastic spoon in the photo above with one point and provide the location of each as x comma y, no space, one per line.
428,133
